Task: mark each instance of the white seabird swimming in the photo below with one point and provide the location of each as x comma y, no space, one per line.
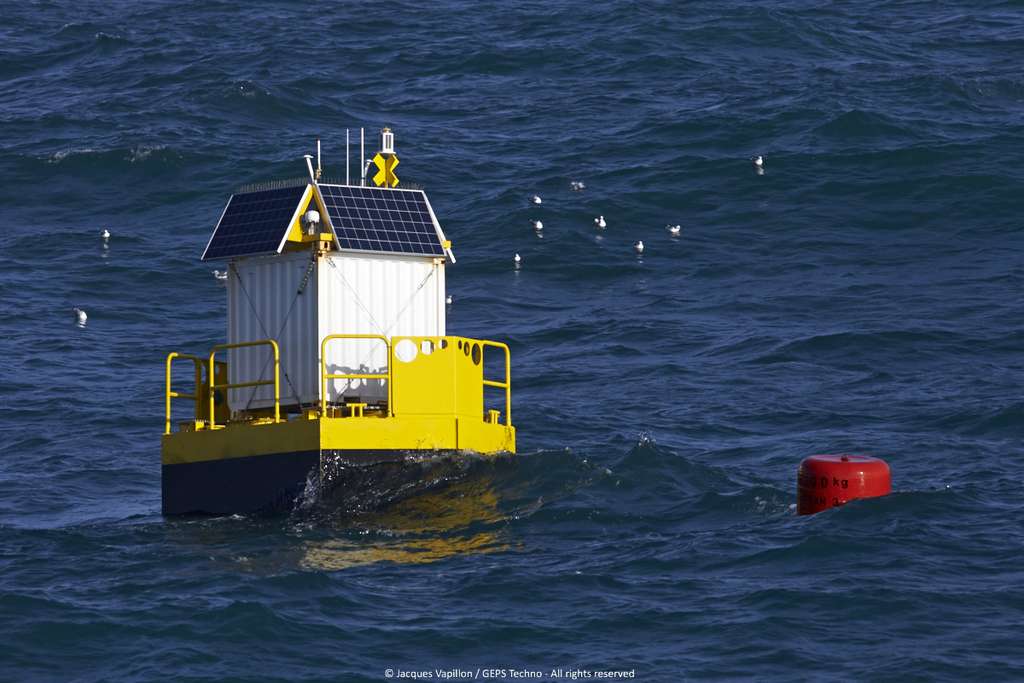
674,230
105,234
518,260
758,161
81,316
639,246
448,299
221,275
600,222
576,185
535,199
537,225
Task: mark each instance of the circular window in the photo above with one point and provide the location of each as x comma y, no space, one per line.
477,354
406,350
465,348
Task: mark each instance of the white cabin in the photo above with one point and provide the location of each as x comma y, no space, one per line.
312,260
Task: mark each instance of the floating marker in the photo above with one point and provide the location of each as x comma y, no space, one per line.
828,481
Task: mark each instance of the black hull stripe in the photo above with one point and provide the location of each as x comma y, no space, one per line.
259,483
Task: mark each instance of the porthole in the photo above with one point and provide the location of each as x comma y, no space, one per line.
406,350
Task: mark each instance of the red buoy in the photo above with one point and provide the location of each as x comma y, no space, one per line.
828,481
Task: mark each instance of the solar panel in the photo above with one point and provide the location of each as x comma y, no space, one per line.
254,223
382,220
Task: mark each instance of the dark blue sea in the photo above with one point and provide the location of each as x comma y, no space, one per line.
863,295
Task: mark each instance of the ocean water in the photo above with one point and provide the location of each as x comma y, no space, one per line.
863,295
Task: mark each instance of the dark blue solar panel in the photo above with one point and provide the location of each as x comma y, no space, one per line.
254,223
380,219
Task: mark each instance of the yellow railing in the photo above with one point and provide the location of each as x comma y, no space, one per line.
507,384
256,383
169,393
211,386
323,368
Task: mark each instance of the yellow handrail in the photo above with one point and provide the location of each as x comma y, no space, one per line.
507,384
323,368
258,383
169,394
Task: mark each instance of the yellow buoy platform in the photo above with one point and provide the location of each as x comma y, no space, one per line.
337,356
261,460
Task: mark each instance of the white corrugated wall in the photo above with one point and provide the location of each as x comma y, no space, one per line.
376,294
262,304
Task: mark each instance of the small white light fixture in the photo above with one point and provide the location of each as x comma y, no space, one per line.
387,141
312,221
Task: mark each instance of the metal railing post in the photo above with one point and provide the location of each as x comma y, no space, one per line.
211,421
277,382
324,376
507,384
169,393
227,386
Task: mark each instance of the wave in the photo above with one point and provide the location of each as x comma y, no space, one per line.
88,156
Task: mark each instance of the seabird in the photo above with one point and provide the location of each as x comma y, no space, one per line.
576,185
105,234
448,300
757,161
674,230
599,222
639,246
537,225
536,200
81,316
517,259
220,274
